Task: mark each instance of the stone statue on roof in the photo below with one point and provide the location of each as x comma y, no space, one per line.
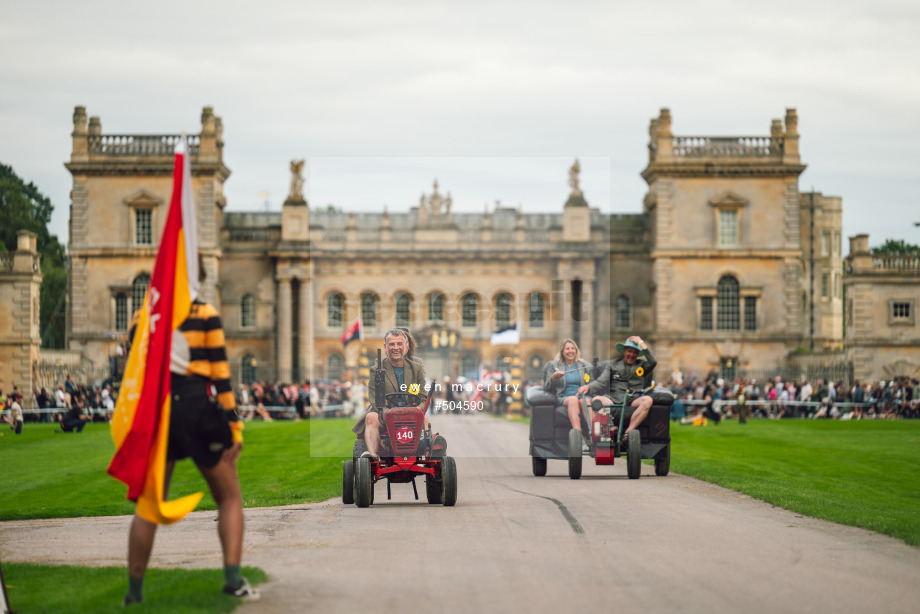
573,178
296,180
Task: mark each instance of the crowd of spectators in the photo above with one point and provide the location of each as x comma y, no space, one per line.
282,401
73,405
69,401
716,399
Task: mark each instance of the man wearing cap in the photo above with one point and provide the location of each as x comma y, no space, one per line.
623,375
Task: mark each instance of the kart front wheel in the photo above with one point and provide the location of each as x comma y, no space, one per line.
539,466
364,484
574,454
348,482
433,489
663,461
634,454
448,481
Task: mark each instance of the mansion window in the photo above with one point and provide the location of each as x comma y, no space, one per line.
248,311
502,311
750,313
436,306
537,310
825,283
728,307
728,208
139,291
535,368
727,315
825,244
403,310
469,305
335,365
335,310
728,228
248,369
621,315
121,312
901,311
728,369
369,303
706,313
143,226
469,366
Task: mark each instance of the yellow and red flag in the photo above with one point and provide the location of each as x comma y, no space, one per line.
140,425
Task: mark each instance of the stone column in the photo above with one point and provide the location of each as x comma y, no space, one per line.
284,329
588,320
305,334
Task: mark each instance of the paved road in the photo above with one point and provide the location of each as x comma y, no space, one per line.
515,542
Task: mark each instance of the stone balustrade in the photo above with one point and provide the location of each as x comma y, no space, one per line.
736,146
897,262
245,235
6,261
139,144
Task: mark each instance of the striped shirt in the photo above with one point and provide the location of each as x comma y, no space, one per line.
198,349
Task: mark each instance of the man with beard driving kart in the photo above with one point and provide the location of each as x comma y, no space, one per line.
402,373
622,374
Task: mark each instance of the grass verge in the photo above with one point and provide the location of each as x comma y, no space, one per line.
64,475
863,474
64,589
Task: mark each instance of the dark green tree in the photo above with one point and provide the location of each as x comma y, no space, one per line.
895,247
23,207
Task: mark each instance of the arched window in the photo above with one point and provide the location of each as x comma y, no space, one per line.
369,304
335,310
248,311
121,312
622,317
502,310
403,310
436,306
139,291
537,310
248,369
728,311
469,305
335,365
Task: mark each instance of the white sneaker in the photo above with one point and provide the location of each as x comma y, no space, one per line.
244,592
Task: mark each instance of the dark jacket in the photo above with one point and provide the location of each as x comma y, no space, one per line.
618,377
414,373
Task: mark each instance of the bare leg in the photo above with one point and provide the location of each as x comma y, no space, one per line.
372,432
573,406
225,488
643,404
142,533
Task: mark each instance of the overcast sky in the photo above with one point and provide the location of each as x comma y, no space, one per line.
493,99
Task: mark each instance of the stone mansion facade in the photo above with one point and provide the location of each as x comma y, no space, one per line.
730,266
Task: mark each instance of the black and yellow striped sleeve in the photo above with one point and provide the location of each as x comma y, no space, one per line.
207,351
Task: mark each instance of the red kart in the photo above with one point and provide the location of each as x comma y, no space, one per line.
407,450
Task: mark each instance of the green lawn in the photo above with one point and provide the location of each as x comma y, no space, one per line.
63,475
864,474
64,590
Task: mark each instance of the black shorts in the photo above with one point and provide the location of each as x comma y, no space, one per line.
198,428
